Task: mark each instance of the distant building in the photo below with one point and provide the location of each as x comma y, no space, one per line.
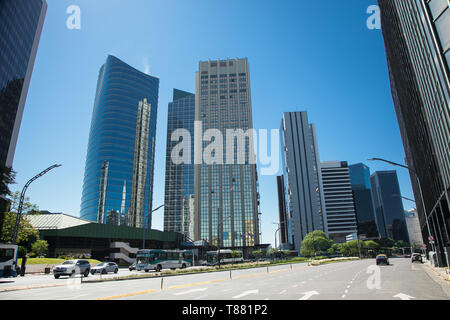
305,207
413,225
120,156
284,219
388,205
21,24
339,204
362,195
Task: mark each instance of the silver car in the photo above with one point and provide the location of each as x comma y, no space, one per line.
105,267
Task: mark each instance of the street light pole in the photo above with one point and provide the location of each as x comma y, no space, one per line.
143,227
420,190
22,199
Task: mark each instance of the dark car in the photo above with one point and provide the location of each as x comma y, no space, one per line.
71,268
105,267
382,259
416,257
132,267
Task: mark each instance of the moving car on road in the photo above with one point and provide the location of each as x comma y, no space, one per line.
416,257
105,267
382,259
132,267
72,267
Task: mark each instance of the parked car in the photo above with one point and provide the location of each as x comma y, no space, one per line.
382,259
105,267
132,267
416,257
72,267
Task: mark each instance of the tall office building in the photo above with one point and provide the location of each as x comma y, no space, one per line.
302,177
179,190
339,204
226,194
388,205
362,196
284,227
118,179
413,226
417,40
21,24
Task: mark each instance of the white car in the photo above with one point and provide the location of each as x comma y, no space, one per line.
71,268
105,267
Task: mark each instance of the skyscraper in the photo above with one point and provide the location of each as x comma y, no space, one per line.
285,228
339,204
302,177
226,195
118,180
21,24
179,190
362,196
388,205
417,40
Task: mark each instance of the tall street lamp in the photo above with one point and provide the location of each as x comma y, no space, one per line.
143,227
22,198
420,190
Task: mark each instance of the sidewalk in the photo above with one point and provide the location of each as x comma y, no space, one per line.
443,273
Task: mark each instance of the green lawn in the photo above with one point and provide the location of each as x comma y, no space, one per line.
93,262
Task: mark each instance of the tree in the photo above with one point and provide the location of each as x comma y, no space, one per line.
370,244
40,247
26,235
315,243
7,177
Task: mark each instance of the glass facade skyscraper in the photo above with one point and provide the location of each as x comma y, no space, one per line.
226,195
305,203
362,195
417,41
388,206
118,180
179,189
21,24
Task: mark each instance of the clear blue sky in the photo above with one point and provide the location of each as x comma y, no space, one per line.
317,56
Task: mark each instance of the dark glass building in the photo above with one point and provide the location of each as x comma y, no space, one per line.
388,205
283,214
179,189
226,189
305,203
362,196
118,179
21,24
417,40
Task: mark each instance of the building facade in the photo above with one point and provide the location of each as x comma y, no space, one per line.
118,180
413,226
388,206
179,196
362,196
226,187
339,204
302,178
284,227
417,40
21,24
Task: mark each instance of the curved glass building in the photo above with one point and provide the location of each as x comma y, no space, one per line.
118,179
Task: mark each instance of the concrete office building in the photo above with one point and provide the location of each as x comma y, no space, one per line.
339,204
302,178
417,40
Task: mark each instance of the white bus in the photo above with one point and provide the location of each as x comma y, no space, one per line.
158,259
226,257
8,260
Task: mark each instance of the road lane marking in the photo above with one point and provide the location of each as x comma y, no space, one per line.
250,275
195,284
284,291
190,291
127,295
246,293
308,295
403,296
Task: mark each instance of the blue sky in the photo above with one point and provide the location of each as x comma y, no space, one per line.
317,56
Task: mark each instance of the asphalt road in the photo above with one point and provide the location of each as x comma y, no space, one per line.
355,280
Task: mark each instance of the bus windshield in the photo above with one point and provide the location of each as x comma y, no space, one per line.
211,257
6,254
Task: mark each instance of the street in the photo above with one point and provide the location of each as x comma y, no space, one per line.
354,280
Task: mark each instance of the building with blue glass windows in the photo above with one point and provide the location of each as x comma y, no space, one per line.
118,180
362,196
21,24
388,206
179,189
